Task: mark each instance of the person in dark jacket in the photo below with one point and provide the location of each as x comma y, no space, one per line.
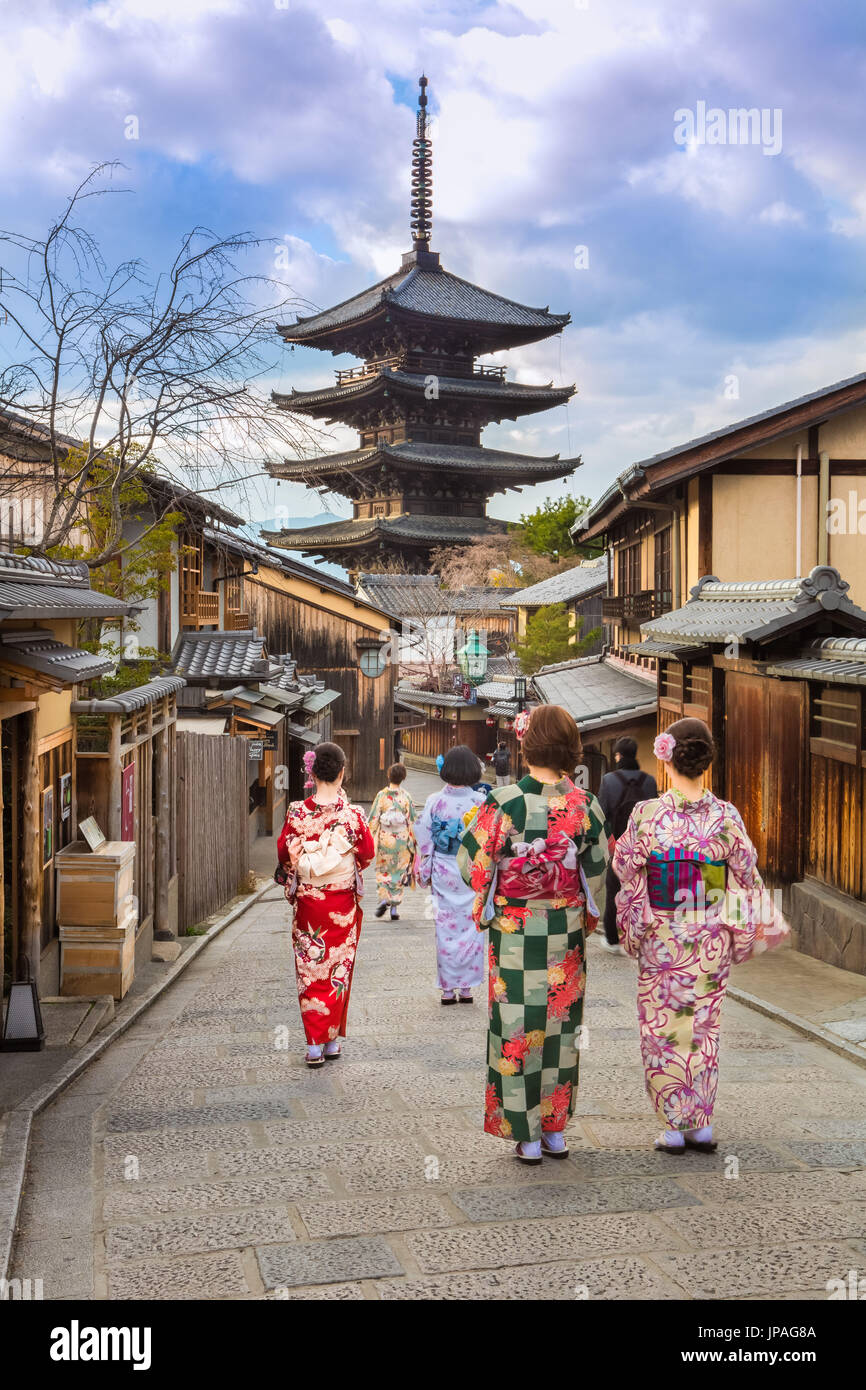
619,793
501,760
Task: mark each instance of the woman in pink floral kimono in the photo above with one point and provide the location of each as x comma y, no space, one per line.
692,903
325,844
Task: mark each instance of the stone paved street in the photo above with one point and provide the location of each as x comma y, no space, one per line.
200,1158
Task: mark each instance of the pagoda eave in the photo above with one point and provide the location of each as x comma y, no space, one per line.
454,463
498,400
356,336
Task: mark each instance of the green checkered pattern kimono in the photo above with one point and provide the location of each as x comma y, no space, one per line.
536,956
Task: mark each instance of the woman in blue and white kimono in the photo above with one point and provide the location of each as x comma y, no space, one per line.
459,946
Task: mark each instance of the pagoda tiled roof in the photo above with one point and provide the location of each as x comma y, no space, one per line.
441,458
432,293
488,389
430,530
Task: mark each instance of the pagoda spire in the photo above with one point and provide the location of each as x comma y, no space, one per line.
422,175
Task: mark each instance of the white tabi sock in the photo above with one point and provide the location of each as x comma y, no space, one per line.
701,1136
332,1047
530,1148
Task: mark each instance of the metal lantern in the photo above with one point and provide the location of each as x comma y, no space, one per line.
472,658
520,690
23,1030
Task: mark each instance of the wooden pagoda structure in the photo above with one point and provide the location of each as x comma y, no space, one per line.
420,477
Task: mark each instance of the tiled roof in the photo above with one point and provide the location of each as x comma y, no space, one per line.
401,594
513,396
32,587
835,660
434,293
595,691
127,701
562,588
440,458
429,529
411,695
317,700
213,657
301,732
40,651
754,612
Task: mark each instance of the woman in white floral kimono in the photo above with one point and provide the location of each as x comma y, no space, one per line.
692,903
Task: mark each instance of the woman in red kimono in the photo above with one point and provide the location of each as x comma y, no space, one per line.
325,845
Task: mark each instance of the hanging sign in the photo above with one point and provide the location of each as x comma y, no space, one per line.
65,795
256,750
127,802
47,825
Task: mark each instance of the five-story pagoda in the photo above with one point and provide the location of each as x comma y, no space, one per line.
421,477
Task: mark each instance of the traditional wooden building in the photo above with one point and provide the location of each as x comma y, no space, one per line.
420,477
334,634
761,499
581,589
608,699
778,670
41,666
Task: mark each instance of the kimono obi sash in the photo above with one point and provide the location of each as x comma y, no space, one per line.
446,834
330,859
679,879
542,868
393,819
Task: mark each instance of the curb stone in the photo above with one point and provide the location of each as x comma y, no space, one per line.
17,1123
814,1031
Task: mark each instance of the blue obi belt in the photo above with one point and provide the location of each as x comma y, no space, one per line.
446,834
678,879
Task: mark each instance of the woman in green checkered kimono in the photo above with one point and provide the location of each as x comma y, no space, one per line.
536,854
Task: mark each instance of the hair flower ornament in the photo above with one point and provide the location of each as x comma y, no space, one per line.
664,746
521,723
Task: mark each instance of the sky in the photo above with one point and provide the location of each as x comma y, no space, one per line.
711,270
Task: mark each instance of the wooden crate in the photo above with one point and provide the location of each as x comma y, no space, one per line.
94,887
98,960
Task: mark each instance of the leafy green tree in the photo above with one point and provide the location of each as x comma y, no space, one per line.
550,638
546,531
135,572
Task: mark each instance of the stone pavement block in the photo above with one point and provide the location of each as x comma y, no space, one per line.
623,1278
137,1202
833,1127
296,1084
332,1292
246,1112
327,1262
603,1163
187,1234
210,1276
344,1128
550,1200
64,1263
703,1228
163,1143
830,1154
764,1272
154,1168
370,1217
293,1158
530,1242
803,1188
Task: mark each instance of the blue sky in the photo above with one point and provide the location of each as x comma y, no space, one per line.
554,129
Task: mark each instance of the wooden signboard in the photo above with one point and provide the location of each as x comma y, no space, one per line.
127,802
91,832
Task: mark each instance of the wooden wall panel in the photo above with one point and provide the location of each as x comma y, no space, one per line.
212,831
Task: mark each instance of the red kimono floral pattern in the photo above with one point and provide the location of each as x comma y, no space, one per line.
325,849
